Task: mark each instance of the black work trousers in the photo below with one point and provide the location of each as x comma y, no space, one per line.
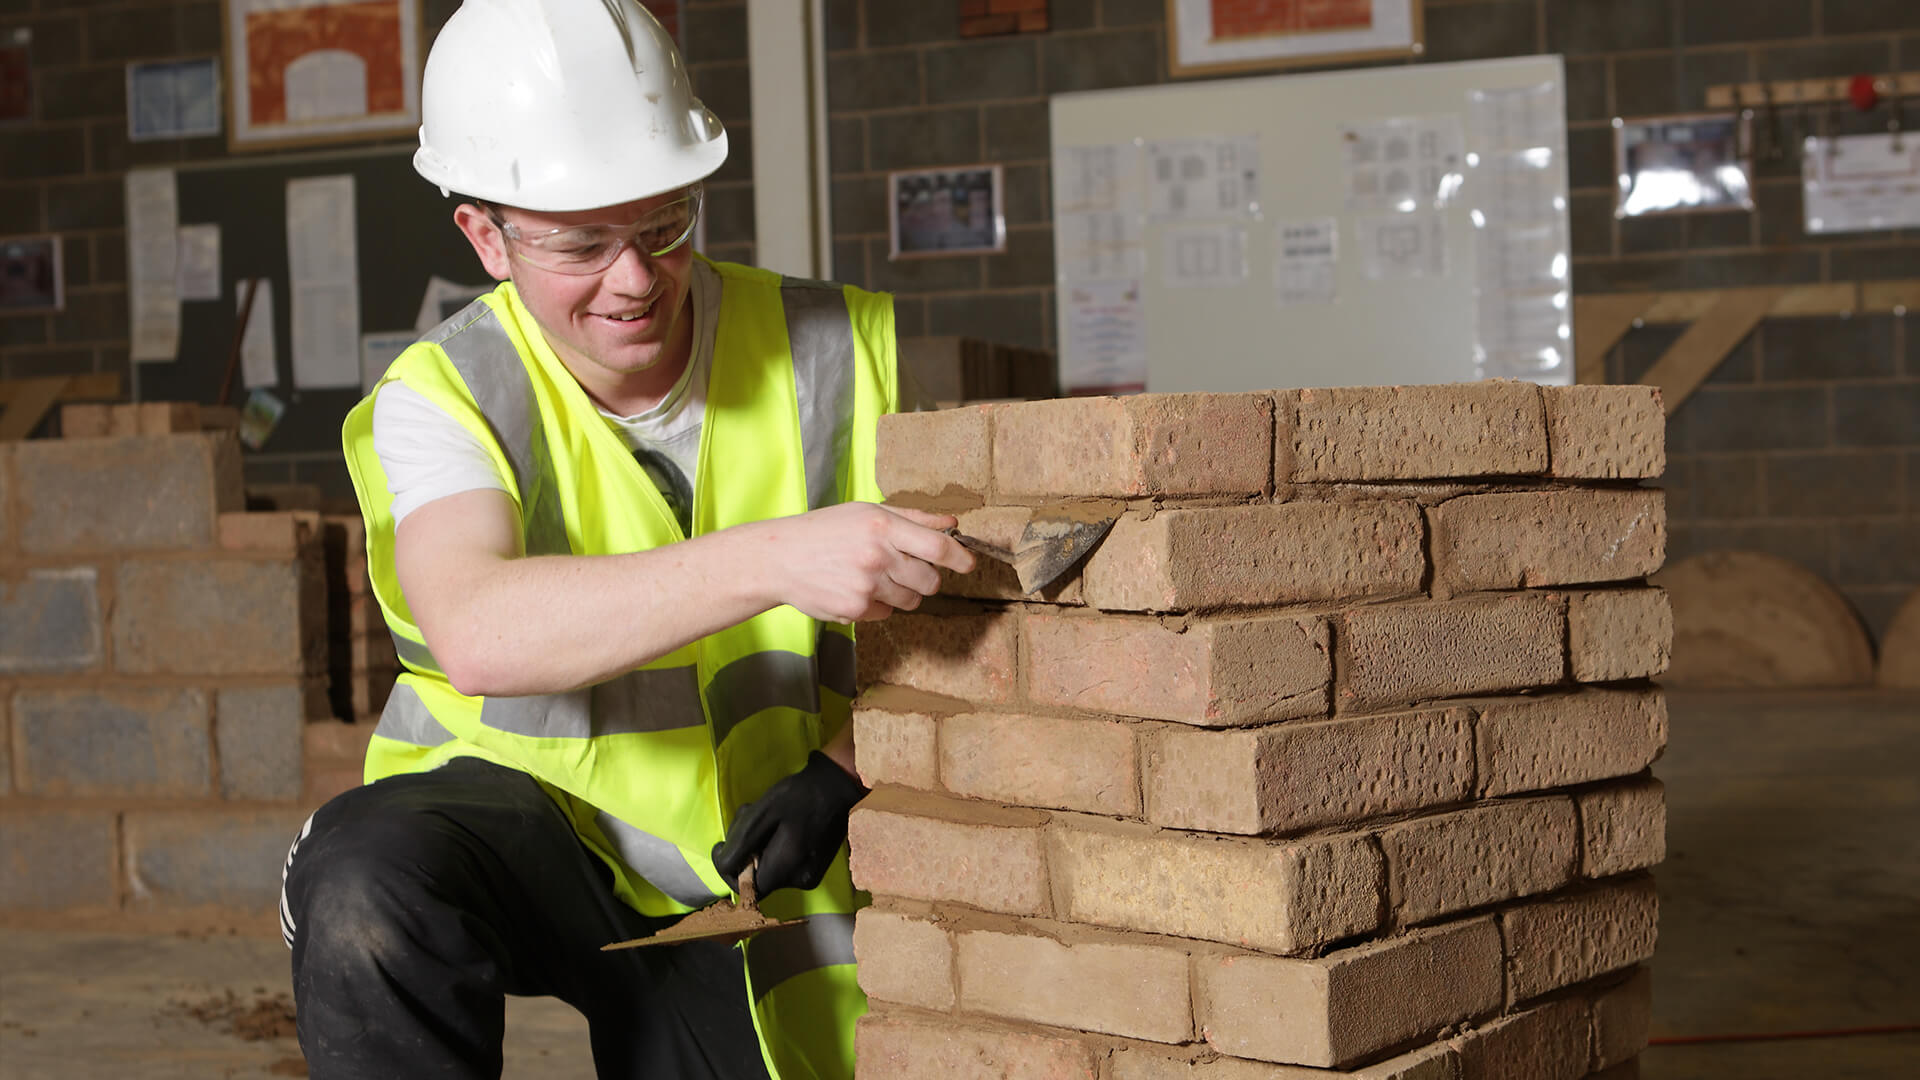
415,904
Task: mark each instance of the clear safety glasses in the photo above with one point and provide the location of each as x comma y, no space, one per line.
589,249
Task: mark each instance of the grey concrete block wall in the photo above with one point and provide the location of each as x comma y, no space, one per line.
207,858
59,860
258,735
112,743
50,622
125,494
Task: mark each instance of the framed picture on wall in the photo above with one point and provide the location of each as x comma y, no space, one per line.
955,211
30,274
1678,164
1213,37
317,71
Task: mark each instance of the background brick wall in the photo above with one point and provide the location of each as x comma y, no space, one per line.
1805,444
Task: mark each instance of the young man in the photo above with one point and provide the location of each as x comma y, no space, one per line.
615,522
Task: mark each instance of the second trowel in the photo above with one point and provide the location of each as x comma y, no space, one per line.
1054,540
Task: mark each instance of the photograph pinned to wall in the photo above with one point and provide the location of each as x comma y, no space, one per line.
16,77
30,277
173,99
1213,37
259,416
1677,164
317,71
953,211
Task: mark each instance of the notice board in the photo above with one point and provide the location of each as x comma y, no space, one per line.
1390,225
402,237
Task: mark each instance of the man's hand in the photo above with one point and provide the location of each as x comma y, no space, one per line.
859,561
795,829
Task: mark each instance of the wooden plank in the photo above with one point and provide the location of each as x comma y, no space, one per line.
29,404
1684,366
104,386
1683,306
1890,296
1599,322
1838,299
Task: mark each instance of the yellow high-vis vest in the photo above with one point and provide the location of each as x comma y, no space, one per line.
651,766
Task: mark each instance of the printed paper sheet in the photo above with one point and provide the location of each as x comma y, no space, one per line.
259,360
1107,338
1203,256
1404,163
1212,177
153,224
197,268
1306,261
325,282
1859,183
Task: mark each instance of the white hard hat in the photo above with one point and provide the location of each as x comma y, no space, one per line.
561,105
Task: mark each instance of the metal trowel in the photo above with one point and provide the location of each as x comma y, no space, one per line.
1054,541
725,921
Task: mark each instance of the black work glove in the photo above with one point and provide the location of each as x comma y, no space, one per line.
795,829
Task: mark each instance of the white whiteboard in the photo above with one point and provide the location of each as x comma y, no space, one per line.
1169,203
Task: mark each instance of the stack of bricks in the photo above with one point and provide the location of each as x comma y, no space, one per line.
992,18
365,661
162,670
1331,760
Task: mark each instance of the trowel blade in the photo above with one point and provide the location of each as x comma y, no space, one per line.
1053,543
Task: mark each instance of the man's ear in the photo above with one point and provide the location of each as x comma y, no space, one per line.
485,237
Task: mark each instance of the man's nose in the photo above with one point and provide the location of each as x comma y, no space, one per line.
632,271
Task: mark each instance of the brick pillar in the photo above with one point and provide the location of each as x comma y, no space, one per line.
1333,754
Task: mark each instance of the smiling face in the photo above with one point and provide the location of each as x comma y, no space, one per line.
624,332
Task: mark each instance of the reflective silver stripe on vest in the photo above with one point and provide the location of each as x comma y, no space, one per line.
835,655
820,336
774,956
657,860
651,699
416,655
407,719
482,352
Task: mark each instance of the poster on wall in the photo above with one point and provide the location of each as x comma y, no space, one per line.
946,211
30,274
173,99
1675,164
1211,37
315,71
1861,183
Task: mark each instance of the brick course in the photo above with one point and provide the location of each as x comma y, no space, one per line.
1400,654
1557,740
924,848
125,494
1489,853
1142,989
1570,939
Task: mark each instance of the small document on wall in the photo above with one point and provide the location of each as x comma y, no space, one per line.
1203,256
153,224
1106,336
1861,183
1306,261
259,363
1210,178
197,267
324,278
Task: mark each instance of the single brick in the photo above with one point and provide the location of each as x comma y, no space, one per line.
227,857
1217,672
1556,740
1606,432
1526,539
1139,991
1569,939
1399,654
50,622
86,421
1301,776
935,454
1619,633
1496,428
56,860
1275,897
903,959
1003,527
1043,761
1173,445
1351,1004
285,531
220,616
971,657
160,417
1547,1043
895,747
920,847
335,740
1435,1061
1622,1019
934,1048
1267,554
112,743
259,732
1623,827
126,494
1482,855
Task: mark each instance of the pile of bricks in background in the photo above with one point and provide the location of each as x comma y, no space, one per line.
163,662
1334,754
991,18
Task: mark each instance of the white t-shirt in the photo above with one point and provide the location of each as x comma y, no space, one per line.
429,455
